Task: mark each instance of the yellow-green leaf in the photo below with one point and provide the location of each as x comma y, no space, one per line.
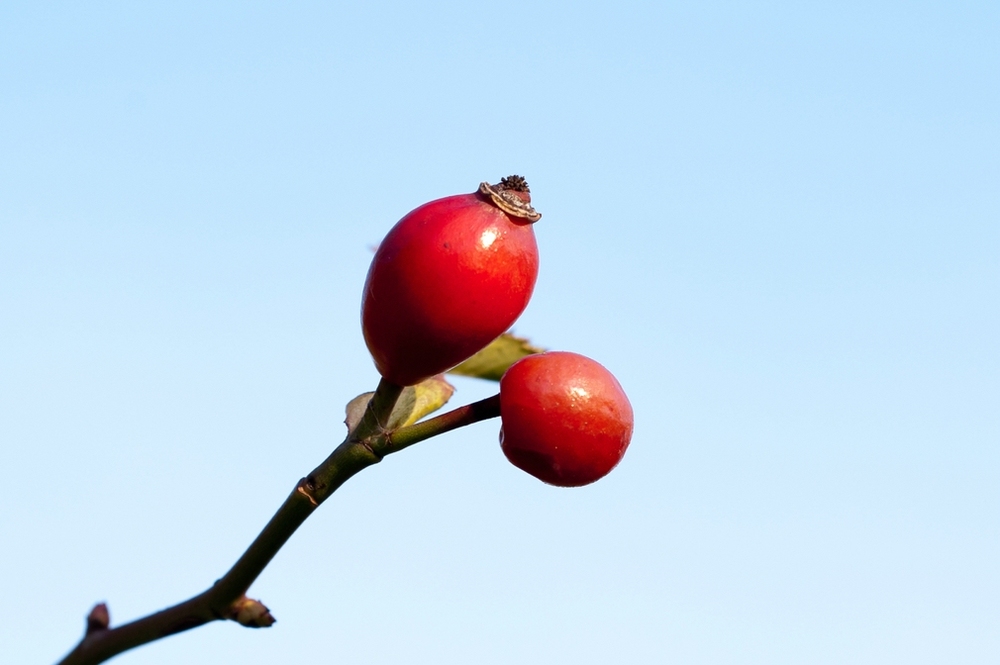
414,403
420,400
493,361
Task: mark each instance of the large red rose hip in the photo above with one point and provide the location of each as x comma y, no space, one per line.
565,418
449,278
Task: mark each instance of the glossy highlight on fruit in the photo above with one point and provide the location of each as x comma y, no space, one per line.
565,418
449,278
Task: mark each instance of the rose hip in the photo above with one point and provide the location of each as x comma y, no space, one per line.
565,418
449,278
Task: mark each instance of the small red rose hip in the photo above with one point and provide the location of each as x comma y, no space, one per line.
448,279
565,418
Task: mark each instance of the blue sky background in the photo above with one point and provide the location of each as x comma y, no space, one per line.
777,223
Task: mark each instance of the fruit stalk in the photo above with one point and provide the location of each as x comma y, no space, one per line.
460,417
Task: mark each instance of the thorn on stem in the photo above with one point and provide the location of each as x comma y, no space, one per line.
99,619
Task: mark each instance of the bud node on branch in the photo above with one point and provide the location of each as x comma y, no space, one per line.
99,619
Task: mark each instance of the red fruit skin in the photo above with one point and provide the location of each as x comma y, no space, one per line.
565,418
448,279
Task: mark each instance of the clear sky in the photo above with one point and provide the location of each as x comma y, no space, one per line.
777,223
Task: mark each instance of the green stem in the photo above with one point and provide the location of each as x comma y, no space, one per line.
367,444
353,455
460,417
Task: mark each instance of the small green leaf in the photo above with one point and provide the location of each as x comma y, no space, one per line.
355,410
420,400
493,361
414,403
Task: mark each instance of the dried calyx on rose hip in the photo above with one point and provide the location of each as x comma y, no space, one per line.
450,277
564,418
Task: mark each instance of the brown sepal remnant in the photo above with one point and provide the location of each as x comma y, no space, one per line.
515,183
512,196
